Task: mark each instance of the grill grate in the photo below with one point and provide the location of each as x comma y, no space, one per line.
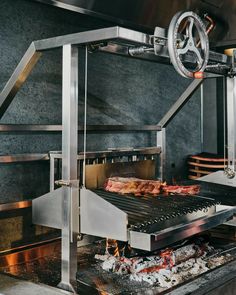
147,210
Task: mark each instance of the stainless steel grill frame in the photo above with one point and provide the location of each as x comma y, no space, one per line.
61,208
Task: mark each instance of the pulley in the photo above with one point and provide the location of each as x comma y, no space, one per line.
187,36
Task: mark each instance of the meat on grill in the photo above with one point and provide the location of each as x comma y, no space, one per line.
139,187
131,185
181,189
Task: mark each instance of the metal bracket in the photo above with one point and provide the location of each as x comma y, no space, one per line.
68,183
232,71
159,39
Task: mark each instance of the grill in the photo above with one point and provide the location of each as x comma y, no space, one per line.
145,211
148,222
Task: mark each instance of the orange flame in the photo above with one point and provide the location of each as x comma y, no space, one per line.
112,247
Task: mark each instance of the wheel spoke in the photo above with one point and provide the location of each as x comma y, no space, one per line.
197,52
183,50
189,29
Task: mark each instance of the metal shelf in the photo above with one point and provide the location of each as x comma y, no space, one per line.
119,152
15,205
89,128
5,159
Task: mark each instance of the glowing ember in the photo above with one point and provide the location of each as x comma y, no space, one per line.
169,268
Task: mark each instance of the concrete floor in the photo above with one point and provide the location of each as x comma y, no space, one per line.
13,286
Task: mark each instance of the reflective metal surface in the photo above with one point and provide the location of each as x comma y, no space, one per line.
60,208
70,195
100,218
103,164
231,122
169,235
90,128
47,210
15,205
218,177
125,36
14,158
154,222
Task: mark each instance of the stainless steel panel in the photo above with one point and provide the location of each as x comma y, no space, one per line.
218,177
161,141
81,38
170,235
101,218
47,209
231,122
97,174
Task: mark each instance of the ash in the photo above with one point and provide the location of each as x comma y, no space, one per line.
168,268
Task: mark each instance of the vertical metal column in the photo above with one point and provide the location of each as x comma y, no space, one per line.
231,122
52,172
69,167
161,141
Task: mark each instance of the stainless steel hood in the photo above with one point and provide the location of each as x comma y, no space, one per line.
146,14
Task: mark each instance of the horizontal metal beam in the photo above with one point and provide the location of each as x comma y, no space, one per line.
116,34
90,128
29,127
15,205
94,36
182,100
5,159
113,153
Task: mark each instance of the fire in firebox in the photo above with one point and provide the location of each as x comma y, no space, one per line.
165,268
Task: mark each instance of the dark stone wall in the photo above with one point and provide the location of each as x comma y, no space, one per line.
120,90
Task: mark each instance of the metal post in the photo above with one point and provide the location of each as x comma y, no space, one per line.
161,141
231,122
70,201
52,172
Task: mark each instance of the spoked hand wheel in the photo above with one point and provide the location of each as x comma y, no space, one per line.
187,34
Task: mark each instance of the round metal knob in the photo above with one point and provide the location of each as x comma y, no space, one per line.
230,173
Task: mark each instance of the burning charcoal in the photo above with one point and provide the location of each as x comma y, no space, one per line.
169,268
